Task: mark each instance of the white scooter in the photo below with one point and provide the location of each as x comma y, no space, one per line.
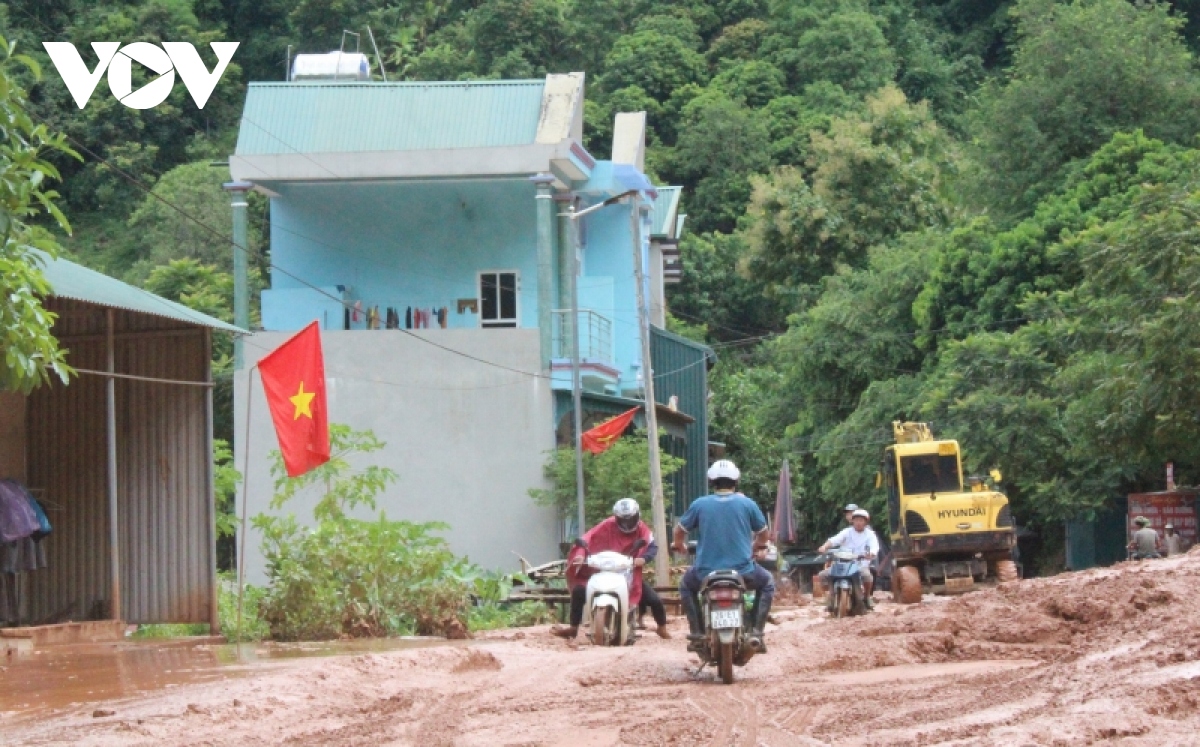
607,612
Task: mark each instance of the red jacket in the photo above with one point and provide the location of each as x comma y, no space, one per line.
607,536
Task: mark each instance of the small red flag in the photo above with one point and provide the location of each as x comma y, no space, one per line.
293,377
598,439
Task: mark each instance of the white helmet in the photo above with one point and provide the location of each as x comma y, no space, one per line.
628,514
860,512
724,469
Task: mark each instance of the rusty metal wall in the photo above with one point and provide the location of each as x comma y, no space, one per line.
66,460
162,474
163,459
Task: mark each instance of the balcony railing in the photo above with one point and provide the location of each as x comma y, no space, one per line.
595,335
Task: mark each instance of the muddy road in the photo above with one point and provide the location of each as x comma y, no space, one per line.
1107,656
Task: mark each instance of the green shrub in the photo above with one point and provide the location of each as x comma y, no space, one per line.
170,630
253,627
352,577
496,615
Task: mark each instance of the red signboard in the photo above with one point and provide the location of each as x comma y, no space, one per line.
1175,508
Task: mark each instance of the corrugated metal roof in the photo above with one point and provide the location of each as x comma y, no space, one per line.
665,208
282,118
69,280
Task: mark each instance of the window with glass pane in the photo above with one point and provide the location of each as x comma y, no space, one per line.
498,299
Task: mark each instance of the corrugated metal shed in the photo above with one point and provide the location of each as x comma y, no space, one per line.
164,499
681,369
289,118
666,207
69,280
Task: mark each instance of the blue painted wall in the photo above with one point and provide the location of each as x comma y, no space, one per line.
422,244
607,284
400,244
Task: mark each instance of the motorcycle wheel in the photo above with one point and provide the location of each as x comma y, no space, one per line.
843,603
725,663
600,617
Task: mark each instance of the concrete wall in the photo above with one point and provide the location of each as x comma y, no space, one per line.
400,244
467,439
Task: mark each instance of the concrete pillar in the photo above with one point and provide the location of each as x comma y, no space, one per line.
545,262
241,264
566,261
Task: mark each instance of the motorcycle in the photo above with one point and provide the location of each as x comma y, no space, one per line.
607,612
846,594
727,611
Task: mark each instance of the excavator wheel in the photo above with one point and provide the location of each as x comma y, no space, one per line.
1006,570
906,585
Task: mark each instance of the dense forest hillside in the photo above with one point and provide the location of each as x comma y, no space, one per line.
974,212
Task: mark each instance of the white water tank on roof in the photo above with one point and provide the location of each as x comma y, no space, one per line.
331,66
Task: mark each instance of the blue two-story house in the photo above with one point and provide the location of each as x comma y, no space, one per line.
427,227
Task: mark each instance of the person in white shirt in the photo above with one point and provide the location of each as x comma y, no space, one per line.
1173,543
859,539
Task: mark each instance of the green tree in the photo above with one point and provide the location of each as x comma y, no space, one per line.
621,471
791,120
600,23
1082,71
186,217
535,30
984,274
754,82
656,63
142,143
31,353
825,41
874,177
730,303
720,145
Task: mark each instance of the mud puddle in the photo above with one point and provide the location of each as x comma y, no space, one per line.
924,671
62,677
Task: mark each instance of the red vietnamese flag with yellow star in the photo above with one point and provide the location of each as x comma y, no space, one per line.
293,377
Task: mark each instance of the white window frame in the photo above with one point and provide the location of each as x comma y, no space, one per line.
500,322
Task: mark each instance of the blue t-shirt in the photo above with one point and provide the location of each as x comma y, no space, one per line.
725,524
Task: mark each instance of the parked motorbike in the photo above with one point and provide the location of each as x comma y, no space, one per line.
607,612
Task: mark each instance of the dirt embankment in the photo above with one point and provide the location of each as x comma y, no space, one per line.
1107,656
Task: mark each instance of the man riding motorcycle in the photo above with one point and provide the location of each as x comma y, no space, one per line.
729,528
618,533
859,539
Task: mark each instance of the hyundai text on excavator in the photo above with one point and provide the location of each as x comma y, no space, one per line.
945,537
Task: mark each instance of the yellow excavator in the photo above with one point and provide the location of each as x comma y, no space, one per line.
946,537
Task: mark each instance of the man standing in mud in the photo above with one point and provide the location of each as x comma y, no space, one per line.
1173,541
1145,543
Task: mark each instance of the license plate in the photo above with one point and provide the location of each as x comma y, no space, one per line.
960,584
722,619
